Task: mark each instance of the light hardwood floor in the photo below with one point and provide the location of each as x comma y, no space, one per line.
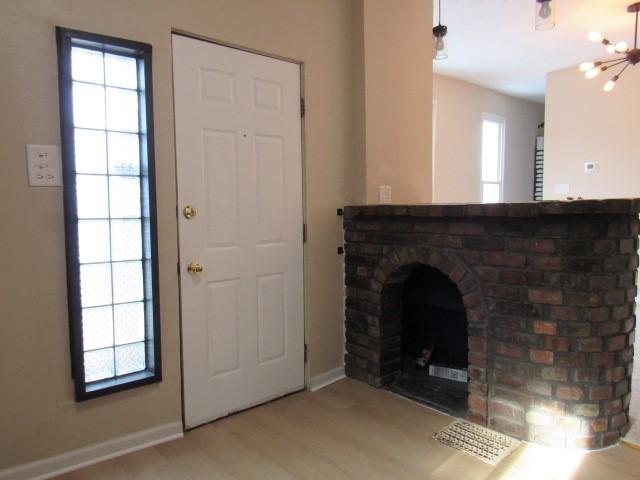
345,431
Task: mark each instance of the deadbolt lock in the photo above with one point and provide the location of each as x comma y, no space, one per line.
195,267
189,212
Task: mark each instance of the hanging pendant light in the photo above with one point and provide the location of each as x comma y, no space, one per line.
439,37
545,14
631,56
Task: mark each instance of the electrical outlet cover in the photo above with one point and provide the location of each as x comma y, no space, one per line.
384,194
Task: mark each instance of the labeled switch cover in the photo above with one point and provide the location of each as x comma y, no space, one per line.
43,164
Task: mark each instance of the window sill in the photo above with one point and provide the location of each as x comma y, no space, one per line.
113,385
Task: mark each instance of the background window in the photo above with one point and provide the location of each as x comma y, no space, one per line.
493,129
107,144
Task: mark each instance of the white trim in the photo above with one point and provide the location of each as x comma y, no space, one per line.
502,121
75,459
325,379
434,134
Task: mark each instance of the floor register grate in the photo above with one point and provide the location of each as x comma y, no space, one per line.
484,444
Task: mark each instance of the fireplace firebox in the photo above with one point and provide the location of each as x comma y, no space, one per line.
537,299
433,341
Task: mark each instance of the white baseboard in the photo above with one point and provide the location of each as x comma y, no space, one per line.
323,380
66,462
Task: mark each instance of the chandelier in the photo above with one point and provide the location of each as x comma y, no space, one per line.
631,56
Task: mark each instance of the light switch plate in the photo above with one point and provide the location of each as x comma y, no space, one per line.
561,188
43,165
384,194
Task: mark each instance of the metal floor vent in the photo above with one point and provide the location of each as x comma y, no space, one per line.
484,444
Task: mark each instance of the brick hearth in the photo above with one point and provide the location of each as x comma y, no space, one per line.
549,291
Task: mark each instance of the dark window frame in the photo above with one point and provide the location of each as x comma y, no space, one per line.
66,38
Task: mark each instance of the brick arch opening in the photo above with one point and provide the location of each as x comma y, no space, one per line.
386,286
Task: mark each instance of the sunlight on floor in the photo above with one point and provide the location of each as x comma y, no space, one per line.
535,462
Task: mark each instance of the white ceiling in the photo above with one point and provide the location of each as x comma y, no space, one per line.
493,43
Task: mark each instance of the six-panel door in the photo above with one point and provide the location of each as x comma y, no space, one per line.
239,165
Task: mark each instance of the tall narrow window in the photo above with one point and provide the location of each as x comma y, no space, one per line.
493,128
109,200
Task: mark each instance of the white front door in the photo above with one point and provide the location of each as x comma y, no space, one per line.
239,165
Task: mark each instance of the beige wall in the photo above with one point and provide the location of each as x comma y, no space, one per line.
397,98
458,141
585,124
38,416
359,172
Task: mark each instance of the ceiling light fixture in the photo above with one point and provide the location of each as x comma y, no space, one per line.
631,56
545,14
439,34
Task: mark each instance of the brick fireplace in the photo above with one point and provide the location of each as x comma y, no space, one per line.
549,293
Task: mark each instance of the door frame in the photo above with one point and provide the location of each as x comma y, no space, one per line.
303,156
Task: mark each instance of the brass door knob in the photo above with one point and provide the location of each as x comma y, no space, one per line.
195,267
189,212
